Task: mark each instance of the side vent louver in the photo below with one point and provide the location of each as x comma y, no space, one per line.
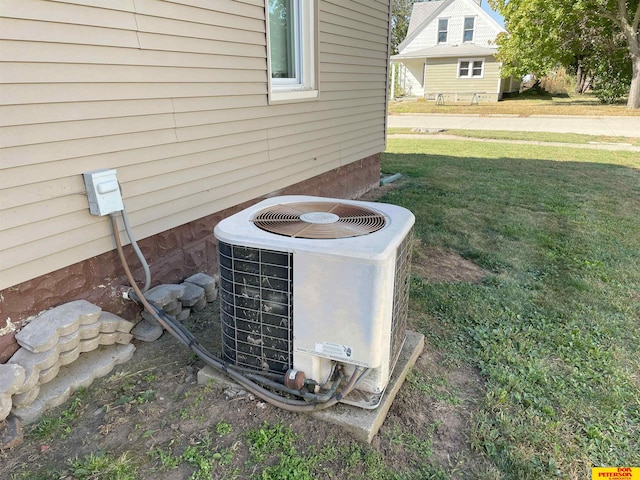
400,313
256,307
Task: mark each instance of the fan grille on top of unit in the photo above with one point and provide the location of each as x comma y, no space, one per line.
319,220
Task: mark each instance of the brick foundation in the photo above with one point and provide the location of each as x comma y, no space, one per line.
172,256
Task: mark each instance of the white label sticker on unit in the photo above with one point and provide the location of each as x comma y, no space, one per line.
333,350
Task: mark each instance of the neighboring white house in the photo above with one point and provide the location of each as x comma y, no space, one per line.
449,55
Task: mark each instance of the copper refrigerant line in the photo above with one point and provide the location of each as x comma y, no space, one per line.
293,381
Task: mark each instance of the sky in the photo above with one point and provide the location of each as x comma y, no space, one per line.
496,16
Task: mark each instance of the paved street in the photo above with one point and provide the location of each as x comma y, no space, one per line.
614,126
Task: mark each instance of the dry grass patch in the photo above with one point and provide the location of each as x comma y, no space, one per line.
524,106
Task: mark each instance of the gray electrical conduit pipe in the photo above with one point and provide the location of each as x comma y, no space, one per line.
134,244
184,336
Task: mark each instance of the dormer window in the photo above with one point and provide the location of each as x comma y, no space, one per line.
443,28
469,23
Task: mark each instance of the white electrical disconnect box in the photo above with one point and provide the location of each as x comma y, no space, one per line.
103,191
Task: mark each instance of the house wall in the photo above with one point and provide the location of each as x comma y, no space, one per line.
411,77
484,30
442,78
509,85
174,96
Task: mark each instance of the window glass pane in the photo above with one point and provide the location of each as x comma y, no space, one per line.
468,29
443,25
464,69
477,69
282,39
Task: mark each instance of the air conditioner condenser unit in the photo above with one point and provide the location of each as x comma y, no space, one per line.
308,283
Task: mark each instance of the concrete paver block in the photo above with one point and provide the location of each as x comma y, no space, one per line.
32,363
80,373
149,318
44,375
42,333
26,398
147,331
106,324
67,349
11,379
161,295
174,307
209,283
192,294
110,322
200,304
10,433
86,345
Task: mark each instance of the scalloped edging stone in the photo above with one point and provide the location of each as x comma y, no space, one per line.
26,396
163,294
67,349
11,379
192,295
81,373
207,282
43,332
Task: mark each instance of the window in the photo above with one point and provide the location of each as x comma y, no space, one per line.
469,23
443,27
470,68
291,50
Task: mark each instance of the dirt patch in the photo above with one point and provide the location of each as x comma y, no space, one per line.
435,264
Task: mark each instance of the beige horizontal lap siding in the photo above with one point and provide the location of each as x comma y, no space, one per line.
442,78
173,94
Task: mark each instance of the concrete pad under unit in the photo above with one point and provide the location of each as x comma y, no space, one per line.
363,424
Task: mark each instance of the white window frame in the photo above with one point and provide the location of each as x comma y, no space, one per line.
470,67
465,30
445,31
304,86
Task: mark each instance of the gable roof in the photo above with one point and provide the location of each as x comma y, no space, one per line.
427,11
420,11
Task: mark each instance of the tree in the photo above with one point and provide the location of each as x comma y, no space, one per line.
599,38
400,16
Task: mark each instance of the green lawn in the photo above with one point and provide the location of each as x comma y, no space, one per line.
523,105
545,137
531,374
555,331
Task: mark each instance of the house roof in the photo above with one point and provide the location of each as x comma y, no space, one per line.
420,11
441,51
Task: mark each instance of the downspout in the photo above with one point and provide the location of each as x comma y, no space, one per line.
386,90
